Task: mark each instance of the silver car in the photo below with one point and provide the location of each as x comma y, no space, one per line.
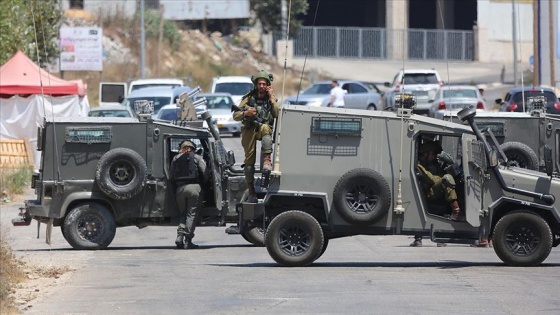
219,105
451,99
357,96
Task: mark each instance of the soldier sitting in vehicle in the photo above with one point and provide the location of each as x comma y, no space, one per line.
188,170
437,183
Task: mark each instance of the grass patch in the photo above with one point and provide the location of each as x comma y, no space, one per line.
14,181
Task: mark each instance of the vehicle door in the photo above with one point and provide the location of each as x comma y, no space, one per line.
356,97
112,93
474,166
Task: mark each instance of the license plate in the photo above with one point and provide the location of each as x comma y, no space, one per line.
220,125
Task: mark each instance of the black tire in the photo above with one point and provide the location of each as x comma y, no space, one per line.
522,239
325,245
294,239
520,155
121,173
89,226
254,235
362,196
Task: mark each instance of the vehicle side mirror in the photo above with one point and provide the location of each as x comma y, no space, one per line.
387,84
498,101
548,160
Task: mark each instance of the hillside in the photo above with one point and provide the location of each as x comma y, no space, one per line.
196,59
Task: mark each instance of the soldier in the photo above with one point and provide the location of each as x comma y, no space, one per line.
259,108
188,171
436,182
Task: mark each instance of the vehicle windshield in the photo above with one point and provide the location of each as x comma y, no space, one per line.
141,86
459,93
158,101
320,88
420,78
234,88
169,114
550,97
218,102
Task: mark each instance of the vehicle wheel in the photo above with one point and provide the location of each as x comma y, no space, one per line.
294,239
520,155
63,234
362,196
89,226
325,245
121,173
254,235
522,239
371,107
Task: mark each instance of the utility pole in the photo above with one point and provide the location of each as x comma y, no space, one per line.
514,39
536,41
142,41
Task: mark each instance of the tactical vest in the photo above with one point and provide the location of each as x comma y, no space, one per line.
184,169
263,107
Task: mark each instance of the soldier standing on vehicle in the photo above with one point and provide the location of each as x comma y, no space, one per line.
436,182
337,95
188,171
259,108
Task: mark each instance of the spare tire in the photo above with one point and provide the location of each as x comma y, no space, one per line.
362,196
121,173
521,155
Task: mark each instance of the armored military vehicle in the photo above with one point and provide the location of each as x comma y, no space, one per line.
340,173
97,175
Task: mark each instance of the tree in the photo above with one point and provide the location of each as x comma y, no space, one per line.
269,14
30,25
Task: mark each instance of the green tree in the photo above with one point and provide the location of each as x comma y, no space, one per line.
269,14
29,25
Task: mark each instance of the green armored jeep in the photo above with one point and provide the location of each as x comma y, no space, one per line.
96,175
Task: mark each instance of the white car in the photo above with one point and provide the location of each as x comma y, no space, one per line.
453,98
237,86
357,96
219,105
423,83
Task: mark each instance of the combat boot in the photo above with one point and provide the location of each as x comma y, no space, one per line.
417,242
179,241
456,210
251,195
267,163
190,245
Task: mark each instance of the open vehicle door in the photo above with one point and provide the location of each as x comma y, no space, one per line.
474,167
112,93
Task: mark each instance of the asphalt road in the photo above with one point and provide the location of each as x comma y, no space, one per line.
142,273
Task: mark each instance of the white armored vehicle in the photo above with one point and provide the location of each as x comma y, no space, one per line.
348,172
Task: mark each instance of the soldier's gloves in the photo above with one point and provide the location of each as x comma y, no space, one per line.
250,112
445,158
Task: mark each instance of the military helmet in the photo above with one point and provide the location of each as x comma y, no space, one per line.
262,75
187,143
429,146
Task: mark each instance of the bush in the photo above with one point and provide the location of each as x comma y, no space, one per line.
10,274
13,181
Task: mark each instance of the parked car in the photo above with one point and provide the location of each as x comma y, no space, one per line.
357,96
423,83
523,99
144,83
172,112
111,111
219,105
237,86
453,98
160,96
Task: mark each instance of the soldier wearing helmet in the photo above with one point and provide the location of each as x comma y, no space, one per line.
188,170
437,184
259,108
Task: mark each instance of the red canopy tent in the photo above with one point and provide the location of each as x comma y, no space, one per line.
22,76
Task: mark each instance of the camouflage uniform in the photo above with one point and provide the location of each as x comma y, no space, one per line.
257,128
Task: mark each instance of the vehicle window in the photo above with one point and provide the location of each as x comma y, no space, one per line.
550,97
356,88
159,102
109,113
420,78
218,102
141,86
234,88
324,88
170,114
459,93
